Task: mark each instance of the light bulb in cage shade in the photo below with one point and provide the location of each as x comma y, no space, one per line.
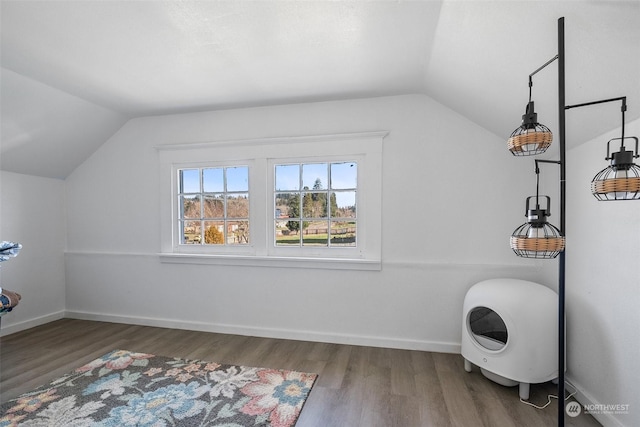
537,238
621,179
536,232
531,137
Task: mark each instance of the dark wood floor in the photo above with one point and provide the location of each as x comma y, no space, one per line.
357,386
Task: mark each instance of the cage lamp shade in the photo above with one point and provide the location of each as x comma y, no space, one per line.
537,238
531,137
621,179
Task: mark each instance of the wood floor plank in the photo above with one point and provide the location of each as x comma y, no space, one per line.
337,361
403,381
433,408
376,397
357,386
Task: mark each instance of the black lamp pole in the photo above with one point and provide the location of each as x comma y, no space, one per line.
561,266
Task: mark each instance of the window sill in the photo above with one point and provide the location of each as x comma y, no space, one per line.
265,261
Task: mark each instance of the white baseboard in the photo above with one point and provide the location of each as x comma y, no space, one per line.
586,400
370,341
27,324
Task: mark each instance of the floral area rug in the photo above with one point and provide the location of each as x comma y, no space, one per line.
124,388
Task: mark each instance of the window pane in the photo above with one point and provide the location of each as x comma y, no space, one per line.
314,176
238,206
315,233
343,204
189,207
237,232
287,177
238,178
214,206
343,233
314,205
287,233
189,181
301,213
344,175
214,232
190,232
213,180
213,196
287,205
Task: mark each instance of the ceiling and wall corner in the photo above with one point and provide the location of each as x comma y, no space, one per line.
46,131
74,72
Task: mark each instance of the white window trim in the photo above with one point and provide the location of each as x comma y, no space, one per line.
175,231
260,155
357,252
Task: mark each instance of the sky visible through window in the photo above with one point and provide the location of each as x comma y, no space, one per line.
343,176
213,180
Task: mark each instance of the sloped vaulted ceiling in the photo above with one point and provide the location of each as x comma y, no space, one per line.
73,72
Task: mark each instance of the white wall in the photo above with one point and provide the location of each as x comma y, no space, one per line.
33,214
458,179
603,286
446,173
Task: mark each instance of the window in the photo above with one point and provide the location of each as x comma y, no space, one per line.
213,205
315,204
300,201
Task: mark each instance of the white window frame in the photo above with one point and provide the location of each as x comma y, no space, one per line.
261,155
206,249
356,252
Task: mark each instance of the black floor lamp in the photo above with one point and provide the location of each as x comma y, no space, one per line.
619,181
